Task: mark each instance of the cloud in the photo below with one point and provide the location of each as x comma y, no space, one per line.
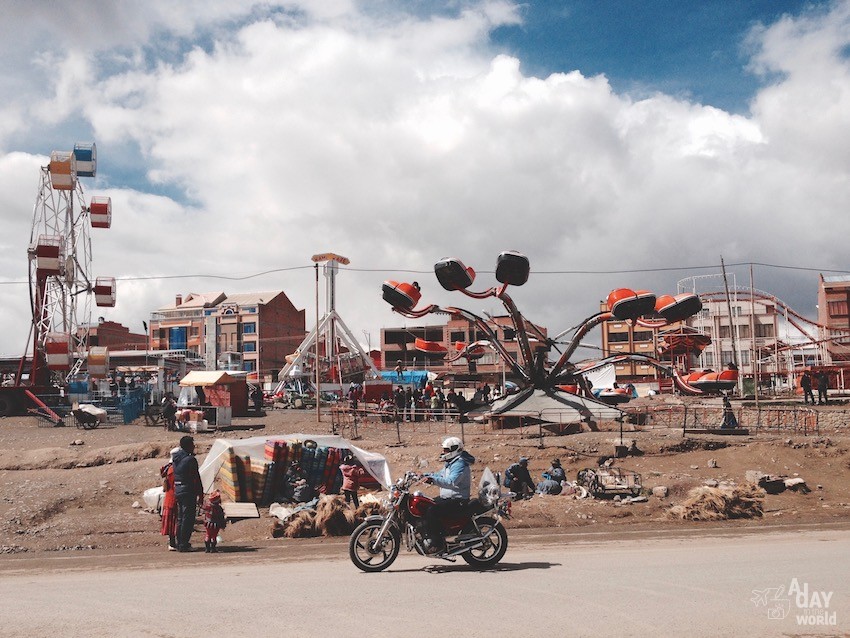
261,136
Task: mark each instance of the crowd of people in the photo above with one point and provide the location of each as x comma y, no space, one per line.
432,403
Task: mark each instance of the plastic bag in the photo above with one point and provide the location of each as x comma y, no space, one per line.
489,490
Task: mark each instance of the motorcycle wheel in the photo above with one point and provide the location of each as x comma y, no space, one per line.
494,547
363,552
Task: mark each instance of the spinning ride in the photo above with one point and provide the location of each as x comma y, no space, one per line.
539,379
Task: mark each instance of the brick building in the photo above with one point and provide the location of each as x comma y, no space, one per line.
115,336
251,331
397,346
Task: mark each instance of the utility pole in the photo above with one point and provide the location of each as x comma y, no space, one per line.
731,328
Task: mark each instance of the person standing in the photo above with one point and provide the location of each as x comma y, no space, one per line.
806,384
823,386
188,490
214,522
169,503
352,472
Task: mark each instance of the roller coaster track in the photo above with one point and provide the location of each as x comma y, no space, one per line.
792,316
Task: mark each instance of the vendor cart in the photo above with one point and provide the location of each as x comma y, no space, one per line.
605,481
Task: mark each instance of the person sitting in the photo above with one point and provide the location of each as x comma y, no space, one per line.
454,481
551,483
518,479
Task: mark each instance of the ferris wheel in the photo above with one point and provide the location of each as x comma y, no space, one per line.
61,284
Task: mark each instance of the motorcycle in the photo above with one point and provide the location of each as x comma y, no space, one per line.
476,533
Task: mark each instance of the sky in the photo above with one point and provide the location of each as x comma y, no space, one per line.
615,143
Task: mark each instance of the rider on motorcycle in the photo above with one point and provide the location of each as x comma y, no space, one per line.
454,481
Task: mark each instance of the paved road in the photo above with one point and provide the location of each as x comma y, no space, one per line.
691,585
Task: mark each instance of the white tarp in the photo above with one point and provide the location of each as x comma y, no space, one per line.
603,378
255,447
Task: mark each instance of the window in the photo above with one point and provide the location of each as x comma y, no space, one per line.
642,335
745,357
457,335
708,359
764,330
725,333
725,357
249,366
837,308
397,337
249,346
618,337
743,332
249,328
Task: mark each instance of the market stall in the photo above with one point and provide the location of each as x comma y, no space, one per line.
220,395
247,469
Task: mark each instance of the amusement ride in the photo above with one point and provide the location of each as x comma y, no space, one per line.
562,382
62,288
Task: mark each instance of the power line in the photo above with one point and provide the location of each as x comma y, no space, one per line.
426,272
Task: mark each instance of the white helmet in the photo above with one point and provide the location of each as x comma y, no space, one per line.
452,447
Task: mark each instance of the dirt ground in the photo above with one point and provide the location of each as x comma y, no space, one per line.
65,489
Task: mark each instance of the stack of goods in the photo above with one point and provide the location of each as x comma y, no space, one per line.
228,478
262,480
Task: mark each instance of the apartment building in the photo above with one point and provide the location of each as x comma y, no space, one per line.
250,331
398,346
833,304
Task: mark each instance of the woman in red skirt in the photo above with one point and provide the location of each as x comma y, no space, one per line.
169,503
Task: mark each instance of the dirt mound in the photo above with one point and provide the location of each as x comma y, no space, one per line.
57,458
693,445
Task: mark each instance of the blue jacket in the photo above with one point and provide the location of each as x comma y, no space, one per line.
455,479
187,480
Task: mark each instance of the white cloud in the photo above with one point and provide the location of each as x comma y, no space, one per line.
397,140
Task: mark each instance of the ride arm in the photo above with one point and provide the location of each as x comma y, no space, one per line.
519,326
479,323
583,329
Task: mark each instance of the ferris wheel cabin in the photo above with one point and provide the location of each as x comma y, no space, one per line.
104,292
85,154
49,254
100,211
63,171
58,351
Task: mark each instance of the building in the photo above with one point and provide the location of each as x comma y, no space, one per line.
833,317
398,347
252,331
747,338
623,337
115,336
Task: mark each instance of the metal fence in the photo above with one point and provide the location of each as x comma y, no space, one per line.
788,419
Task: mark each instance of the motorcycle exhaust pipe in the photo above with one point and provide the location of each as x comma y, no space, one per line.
465,547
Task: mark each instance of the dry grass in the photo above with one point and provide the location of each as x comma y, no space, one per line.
333,517
301,525
719,504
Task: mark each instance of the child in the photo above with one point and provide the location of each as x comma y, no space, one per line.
351,474
214,521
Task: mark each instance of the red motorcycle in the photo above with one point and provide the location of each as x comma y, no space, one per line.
476,533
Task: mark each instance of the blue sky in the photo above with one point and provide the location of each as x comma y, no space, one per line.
615,143
695,49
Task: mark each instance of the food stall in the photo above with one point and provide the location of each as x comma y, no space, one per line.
220,395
